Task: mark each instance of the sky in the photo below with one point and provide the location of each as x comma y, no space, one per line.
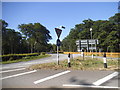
55,14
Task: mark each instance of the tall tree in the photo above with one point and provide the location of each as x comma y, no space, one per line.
37,36
106,31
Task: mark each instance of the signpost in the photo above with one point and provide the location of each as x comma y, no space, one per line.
58,42
58,32
86,44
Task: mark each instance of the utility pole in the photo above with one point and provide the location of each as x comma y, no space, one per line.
91,43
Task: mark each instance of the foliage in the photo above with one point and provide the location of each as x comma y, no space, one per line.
27,58
79,64
10,57
106,31
43,53
31,38
36,35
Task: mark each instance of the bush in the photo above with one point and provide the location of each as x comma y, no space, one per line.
43,53
17,56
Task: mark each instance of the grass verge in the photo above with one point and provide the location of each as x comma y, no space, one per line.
79,64
24,59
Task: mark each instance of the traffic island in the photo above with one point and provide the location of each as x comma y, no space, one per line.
79,64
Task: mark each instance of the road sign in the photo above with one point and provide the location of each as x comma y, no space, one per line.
58,42
58,32
90,44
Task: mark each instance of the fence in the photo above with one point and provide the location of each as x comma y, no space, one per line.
108,54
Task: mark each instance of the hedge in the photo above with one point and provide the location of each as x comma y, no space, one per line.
17,56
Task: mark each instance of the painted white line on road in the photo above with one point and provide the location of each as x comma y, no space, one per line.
18,74
50,77
11,67
103,80
2,68
18,66
12,70
88,86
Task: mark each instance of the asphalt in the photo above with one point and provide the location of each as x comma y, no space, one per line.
53,58
74,77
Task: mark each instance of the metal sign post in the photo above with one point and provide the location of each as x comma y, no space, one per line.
58,44
57,55
58,32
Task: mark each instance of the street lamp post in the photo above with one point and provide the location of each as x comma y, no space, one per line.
91,42
91,32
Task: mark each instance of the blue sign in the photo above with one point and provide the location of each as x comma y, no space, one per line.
58,42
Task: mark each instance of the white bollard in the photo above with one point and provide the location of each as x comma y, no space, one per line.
105,60
69,65
92,56
82,54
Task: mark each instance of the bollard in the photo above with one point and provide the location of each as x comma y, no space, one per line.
69,60
82,54
105,60
92,56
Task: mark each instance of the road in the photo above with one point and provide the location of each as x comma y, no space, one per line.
53,58
23,78
17,76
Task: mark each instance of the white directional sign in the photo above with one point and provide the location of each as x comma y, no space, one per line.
58,32
92,48
89,44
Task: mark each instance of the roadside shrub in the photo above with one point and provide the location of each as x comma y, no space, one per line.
17,56
43,53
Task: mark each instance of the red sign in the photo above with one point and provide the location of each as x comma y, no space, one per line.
58,31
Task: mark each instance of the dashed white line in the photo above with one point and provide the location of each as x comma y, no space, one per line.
12,70
103,80
88,86
50,77
18,74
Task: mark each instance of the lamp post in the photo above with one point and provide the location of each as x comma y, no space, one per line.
91,32
91,42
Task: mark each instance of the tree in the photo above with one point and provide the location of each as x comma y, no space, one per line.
37,36
11,40
106,31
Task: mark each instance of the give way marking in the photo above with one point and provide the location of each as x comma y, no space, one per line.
12,70
103,80
97,83
18,74
50,77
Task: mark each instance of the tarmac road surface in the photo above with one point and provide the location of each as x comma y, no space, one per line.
53,58
17,76
24,78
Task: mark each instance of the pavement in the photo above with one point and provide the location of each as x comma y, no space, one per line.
17,76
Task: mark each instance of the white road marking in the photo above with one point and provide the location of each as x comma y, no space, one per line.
101,81
11,67
50,77
88,86
2,68
18,74
12,70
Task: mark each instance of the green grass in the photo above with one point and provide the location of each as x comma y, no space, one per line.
24,59
79,64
